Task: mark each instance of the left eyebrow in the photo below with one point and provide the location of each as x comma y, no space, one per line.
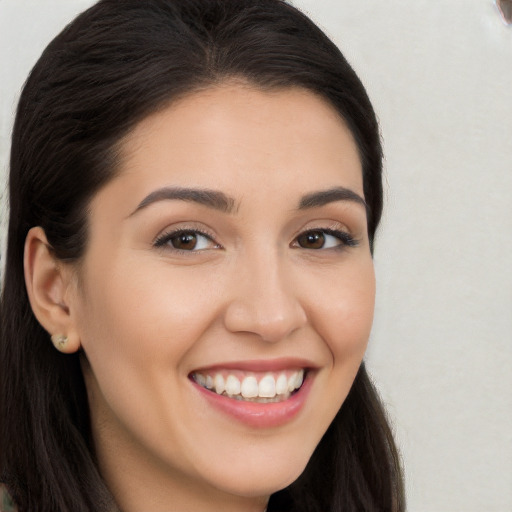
331,195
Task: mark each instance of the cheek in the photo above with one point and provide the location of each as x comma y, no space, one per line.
146,309
136,333
344,320
137,324
345,312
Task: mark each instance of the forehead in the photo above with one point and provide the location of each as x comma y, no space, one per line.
244,141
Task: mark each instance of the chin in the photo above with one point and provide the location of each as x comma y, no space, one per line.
257,478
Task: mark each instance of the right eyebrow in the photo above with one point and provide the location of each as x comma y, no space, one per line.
210,198
331,195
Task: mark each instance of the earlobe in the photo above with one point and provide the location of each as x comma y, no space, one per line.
47,281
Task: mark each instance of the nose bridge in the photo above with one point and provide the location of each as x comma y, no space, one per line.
265,300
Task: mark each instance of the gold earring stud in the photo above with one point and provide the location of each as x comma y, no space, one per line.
60,341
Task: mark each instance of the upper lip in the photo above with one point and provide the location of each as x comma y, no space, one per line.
260,365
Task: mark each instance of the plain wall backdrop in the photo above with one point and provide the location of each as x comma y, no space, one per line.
440,77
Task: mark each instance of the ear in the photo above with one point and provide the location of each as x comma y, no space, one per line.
48,283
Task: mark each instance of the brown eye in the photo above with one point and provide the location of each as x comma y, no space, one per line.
186,241
312,240
325,239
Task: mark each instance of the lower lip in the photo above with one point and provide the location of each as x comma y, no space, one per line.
259,415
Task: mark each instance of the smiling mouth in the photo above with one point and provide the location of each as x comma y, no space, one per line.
259,387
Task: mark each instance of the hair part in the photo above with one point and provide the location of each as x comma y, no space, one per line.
114,65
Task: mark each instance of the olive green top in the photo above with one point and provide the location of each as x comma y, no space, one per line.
6,503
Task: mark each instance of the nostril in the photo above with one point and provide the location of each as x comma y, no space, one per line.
505,8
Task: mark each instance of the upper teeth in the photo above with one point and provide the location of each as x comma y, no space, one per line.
269,386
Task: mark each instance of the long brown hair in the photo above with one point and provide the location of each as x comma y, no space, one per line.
115,64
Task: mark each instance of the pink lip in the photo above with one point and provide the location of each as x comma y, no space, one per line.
259,415
260,366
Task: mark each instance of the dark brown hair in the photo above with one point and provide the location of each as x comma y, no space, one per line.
115,64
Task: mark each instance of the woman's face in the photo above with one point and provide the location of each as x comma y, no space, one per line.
229,257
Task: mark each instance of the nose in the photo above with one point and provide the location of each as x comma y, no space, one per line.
264,300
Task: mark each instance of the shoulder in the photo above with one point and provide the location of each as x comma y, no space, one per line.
6,503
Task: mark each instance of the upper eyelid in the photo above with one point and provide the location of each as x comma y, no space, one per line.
323,225
184,228
329,232
330,227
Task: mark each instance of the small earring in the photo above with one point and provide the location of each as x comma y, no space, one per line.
60,341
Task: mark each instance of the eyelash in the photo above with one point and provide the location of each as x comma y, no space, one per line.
165,239
345,239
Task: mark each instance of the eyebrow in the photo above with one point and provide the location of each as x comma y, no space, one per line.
323,197
219,201
210,198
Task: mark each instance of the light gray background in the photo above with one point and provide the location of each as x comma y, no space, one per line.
440,76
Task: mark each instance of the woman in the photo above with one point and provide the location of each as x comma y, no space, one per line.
195,188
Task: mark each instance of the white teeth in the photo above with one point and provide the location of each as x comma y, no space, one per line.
267,390
267,387
232,385
295,380
218,382
200,379
249,387
299,379
291,382
281,384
